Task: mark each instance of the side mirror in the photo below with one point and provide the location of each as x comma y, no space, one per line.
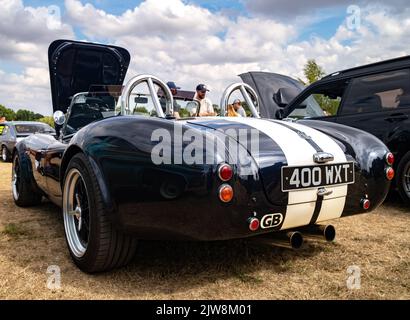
285,95
192,107
59,118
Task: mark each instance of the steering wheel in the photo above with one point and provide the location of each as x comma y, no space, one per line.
150,80
250,96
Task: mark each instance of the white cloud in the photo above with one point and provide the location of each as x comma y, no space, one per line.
25,33
285,9
185,43
29,90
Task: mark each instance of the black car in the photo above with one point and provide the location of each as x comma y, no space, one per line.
374,98
120,174
12,132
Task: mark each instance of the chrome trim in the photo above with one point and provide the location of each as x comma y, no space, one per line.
245,91
219,171
220,189
321,192
323,157
150,80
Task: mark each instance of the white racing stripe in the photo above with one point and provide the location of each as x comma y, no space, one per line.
299,152
333,205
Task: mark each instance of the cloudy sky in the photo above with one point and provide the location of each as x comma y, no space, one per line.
193,41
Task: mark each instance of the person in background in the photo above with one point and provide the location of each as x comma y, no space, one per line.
174,90
205,105
232,112
238,108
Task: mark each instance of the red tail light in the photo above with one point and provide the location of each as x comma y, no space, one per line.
389,173
253,224
225,193
389,158
225,172
366,204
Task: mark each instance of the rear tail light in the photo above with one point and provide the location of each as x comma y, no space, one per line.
389,158
389,173
225,172
366,204
225,193
253,224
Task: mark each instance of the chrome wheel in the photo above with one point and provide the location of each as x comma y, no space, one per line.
4,154
15,178
76,213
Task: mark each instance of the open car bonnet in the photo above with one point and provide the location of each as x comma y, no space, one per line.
76,66
269,86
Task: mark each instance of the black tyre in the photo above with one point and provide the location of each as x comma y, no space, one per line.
403,178
24,194
94,244
5,154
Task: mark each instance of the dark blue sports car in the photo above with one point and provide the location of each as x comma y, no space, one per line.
124,168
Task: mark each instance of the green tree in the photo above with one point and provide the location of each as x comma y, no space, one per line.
139,110
313,72
9,114
183,113
27,115
48,120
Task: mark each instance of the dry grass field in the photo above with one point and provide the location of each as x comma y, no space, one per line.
379,244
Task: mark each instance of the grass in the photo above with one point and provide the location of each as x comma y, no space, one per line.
379,243
15,230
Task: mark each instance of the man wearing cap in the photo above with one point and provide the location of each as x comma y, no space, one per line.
238,108
205,105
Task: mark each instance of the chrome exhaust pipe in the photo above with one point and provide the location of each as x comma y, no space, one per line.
289,240
319,232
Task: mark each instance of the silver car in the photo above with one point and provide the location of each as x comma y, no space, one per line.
14,131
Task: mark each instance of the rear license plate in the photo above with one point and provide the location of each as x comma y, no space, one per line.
308,177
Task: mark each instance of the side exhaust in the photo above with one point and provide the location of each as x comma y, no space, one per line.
319,232
290,240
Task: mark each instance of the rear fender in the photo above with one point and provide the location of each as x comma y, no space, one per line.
71,151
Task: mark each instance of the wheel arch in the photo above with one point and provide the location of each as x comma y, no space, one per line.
26,166
73,150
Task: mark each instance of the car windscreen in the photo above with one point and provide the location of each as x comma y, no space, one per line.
27,129
88,108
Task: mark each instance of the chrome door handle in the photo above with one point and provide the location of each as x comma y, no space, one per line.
324,192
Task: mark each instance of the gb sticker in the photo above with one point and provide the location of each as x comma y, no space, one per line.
271,220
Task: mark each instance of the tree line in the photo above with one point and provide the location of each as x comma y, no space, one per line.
8,114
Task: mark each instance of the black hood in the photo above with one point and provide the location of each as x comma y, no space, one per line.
267,85
75,66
